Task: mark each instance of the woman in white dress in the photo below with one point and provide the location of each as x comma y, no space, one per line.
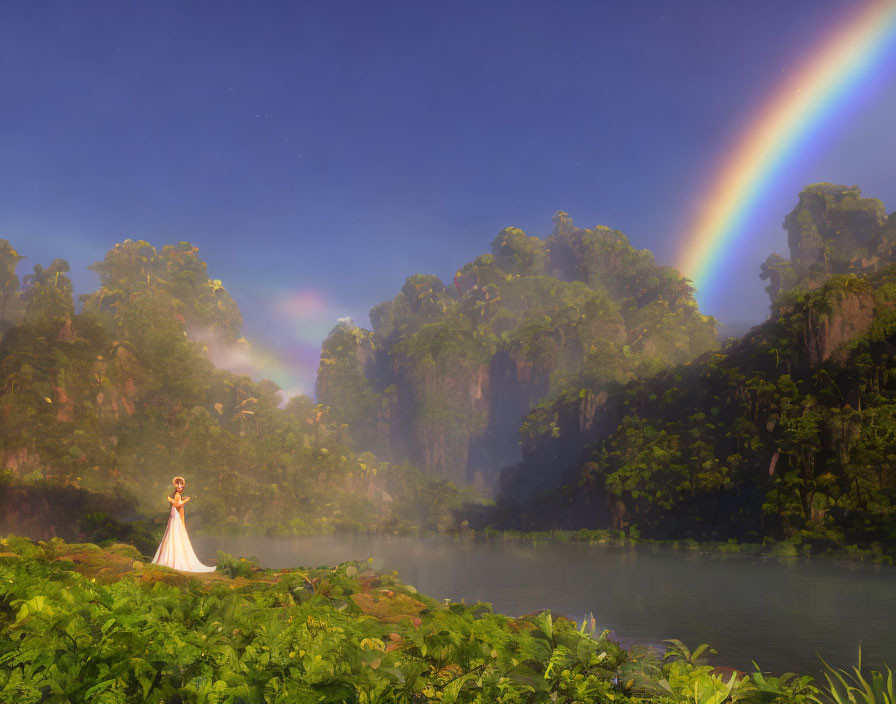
175,550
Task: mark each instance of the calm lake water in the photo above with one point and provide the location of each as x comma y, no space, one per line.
776,612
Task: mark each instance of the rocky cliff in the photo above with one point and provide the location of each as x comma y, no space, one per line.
123,396
787,431
448,372
832,230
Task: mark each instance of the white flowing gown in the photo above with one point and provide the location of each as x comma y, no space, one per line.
175,550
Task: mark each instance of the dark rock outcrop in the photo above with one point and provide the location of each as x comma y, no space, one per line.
828,332
832,230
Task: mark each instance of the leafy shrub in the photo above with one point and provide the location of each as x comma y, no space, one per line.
236,566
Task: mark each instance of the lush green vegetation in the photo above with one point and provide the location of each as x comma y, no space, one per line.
780,442
449,371
79,623
101,408
832,230
786,434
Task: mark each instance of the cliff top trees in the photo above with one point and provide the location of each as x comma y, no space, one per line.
48,295
517,253
174,278
832,230
9,282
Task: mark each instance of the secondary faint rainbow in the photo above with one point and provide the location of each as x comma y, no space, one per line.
288,352
308,315
781,127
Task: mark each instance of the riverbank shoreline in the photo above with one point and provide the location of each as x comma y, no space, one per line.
874,554
77,620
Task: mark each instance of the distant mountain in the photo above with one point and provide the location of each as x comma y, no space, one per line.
451,369
789,431
101,409
571,375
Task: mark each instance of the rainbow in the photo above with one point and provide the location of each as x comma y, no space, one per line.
303,319
783,125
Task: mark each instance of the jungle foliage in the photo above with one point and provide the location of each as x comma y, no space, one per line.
788,433
122,396
78,623
449,371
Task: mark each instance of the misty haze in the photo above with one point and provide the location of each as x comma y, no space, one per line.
518,352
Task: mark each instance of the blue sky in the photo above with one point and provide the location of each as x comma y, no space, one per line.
323,151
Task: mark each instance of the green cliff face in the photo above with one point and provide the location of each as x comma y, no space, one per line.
787,432
118,399
832,230
449,371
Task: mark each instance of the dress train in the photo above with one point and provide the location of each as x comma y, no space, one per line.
175,549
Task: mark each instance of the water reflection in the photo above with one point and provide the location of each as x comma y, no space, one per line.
747,607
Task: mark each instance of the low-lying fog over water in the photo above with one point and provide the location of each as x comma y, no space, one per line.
776,612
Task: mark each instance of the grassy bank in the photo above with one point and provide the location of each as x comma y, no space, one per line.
79,623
